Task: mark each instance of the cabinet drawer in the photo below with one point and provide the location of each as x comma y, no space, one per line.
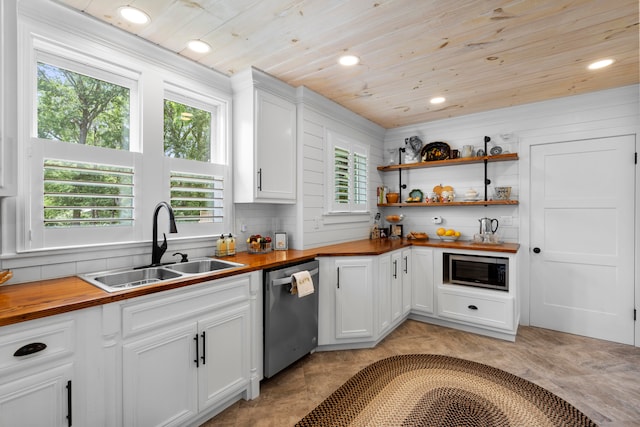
39,340
482,310
161,310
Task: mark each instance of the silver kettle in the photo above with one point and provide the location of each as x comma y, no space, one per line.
487,225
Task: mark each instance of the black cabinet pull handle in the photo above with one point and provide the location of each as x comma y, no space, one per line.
406,265
197,351
204,348
536,250
472,307
395,269
338,282
30,348
260,179
69,404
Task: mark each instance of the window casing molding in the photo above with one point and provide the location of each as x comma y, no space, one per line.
147,82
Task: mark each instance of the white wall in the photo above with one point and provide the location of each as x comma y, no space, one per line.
316,116
598,114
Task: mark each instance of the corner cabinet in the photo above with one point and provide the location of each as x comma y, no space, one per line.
451,162
264,139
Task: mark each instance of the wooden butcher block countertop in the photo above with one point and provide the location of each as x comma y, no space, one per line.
33,300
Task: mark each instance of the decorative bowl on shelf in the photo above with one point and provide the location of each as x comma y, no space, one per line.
394,219
393,197
415,196
417,235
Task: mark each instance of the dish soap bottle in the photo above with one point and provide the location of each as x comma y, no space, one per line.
231,245
221,246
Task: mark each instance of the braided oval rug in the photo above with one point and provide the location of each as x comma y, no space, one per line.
434,390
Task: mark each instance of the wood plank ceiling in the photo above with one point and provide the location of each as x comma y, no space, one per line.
480,55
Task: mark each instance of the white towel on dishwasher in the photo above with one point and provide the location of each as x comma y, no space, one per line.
302,284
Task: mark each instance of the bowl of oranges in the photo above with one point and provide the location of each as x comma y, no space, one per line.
448,235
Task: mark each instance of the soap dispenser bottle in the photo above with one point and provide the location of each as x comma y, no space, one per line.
221,246
231,245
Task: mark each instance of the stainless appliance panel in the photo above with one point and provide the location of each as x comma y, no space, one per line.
290,322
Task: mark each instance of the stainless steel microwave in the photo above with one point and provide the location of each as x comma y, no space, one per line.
478,271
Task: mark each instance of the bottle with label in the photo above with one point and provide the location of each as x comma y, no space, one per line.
221,246
231,245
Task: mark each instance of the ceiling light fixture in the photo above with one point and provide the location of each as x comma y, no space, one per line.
348,60
133,15
199,46
600,64
437,100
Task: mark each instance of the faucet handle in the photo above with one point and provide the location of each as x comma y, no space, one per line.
183,256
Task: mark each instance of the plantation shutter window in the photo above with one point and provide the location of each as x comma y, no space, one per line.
197,198
348,175
87,194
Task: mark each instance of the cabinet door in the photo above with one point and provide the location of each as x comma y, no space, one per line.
354,298
384,293
224,355
406,281
396,285
41,399
275,147
160,378
422,280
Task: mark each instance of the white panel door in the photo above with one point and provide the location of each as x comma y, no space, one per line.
582,237
354,298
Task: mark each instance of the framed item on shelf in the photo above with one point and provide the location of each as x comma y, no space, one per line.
281,241
396,230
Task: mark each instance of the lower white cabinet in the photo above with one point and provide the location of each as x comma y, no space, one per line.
346,300
422,281
394,288
43,371
480,308
185,353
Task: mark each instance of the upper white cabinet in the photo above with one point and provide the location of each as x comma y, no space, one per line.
264,139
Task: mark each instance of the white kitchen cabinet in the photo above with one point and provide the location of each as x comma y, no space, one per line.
346,300
44,366
384,293
407,276
422,284
396,286
186,353
264,139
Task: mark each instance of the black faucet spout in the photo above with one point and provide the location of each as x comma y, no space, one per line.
158,250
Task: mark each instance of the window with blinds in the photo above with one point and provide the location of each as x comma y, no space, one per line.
349,175
80,194
197,198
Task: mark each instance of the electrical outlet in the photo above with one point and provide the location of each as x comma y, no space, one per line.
506,220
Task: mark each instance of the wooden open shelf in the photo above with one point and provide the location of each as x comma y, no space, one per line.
477,203
451,162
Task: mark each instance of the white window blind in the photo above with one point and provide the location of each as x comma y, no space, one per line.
80,194
197,198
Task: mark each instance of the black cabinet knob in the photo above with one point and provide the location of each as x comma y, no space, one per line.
536,250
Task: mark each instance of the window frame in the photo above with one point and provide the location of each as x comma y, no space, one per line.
102,61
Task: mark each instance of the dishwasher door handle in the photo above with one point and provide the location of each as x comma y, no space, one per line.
287,280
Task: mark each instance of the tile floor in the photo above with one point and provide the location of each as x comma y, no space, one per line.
600,378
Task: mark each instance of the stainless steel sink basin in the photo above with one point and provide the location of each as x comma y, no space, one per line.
202,266
118,280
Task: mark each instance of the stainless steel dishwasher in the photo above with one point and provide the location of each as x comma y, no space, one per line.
290,321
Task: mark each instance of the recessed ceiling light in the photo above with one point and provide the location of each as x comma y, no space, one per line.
348,60
133,15
199,46
437,100
600,64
